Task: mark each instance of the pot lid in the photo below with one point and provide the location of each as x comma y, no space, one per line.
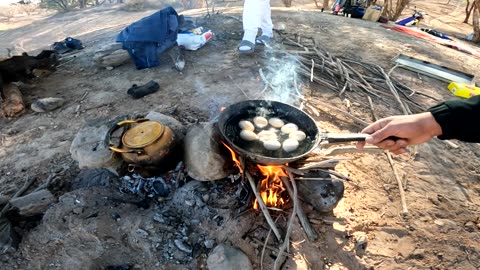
143,134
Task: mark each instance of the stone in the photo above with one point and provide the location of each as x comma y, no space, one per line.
47,104
418,254
209,243
361,241
205,158
323,195
470,226
178,129
89,150
93,177
34,203
141,233
224,257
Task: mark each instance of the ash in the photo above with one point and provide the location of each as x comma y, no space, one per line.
153,187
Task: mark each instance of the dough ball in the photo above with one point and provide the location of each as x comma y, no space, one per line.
289,128
272,145
260,122
248,135
297,135
247,125
276,122
290,145
266,135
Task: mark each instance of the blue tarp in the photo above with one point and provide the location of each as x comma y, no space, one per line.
147,38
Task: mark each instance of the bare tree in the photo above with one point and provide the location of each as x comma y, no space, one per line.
468,11
393,12
476,23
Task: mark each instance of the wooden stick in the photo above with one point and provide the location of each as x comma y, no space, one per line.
24,188
311,234
351,150
311,71
262,206
400,186
330,163
280,257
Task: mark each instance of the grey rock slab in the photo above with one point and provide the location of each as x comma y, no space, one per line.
224,257
89,150
205,157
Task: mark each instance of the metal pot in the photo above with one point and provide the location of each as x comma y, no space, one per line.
145,143
254,151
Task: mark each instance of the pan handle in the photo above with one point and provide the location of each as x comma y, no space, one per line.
349,137
344,137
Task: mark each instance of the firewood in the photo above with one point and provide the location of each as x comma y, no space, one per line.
13,104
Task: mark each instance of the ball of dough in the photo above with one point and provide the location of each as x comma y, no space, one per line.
276,122
260,122
266,135
247,125
248,135
272,145
288,128
290,145
297,135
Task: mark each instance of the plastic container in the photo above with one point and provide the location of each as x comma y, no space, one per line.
463,90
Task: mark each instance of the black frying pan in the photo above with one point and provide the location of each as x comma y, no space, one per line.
254,151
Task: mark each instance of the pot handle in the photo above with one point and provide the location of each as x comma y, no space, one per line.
108,143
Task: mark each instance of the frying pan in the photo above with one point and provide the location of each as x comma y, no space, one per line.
254,150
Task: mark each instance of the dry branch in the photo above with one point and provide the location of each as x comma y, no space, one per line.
280,257
311,234
262,206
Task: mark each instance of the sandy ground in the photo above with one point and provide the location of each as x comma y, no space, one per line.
442,188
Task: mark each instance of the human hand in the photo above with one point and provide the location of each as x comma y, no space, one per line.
410,129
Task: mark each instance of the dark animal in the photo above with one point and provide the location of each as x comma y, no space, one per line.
19,68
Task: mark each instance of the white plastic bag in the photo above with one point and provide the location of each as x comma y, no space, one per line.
192,41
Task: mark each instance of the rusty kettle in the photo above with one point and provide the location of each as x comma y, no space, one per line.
144,143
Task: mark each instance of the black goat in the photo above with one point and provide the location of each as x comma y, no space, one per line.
19,68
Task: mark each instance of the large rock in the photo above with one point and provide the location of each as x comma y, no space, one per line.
89,150
225,257
111,55
205,157
323,195
169,121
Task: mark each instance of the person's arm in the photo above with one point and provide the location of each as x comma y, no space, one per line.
459,119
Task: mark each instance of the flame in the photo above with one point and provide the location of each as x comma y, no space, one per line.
234,158
271,187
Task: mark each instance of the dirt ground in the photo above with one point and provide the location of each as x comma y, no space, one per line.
100,227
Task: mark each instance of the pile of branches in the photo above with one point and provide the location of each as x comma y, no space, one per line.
347,76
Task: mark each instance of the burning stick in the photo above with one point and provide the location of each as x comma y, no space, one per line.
262,206
311,234
281,257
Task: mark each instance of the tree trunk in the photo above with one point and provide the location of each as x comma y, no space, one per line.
476,23
468,11
325,4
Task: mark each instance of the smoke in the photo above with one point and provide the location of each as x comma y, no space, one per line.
282,80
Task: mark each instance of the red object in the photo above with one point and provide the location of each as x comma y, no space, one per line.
425,36
337,8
